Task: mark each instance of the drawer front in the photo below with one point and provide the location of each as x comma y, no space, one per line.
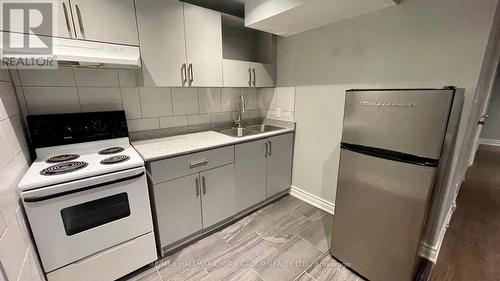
176,167
103,266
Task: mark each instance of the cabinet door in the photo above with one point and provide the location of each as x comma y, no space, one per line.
218,193
63,23
163,49
237,73
250,166
178,208
110,21
203,46
279,163
263,75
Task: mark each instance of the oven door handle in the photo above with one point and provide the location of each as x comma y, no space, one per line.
59,194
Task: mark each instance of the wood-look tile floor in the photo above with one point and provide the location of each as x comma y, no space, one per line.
287,240
471,248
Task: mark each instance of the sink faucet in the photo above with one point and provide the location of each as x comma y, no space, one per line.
241,110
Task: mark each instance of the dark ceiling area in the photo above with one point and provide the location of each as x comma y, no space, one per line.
232,7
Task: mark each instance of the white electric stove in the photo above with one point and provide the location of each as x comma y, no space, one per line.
86,197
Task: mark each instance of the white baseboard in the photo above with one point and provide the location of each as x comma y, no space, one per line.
489,141
431,252
314,200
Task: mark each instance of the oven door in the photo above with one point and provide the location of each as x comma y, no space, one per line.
73,220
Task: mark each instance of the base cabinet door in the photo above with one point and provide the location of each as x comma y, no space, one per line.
279,163
251,168
218,192
178,208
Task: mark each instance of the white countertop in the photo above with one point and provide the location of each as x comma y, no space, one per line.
168,147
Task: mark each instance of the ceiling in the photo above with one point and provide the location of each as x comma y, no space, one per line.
232,7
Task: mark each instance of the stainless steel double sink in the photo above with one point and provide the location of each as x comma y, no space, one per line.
250,130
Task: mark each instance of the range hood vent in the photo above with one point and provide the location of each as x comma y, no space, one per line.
80,53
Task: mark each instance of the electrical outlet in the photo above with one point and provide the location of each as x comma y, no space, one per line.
278,112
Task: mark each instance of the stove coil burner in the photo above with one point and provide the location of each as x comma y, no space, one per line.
111,150
63,168
62,158
115,159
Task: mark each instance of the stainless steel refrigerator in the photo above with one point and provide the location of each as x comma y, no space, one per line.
396,147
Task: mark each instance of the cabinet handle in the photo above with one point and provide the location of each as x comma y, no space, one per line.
197,186
204,185
80,21
254,79
270,148
267,145
250,77
191,74
68,26
198,164
184,74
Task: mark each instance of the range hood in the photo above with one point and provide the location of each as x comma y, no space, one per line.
81,53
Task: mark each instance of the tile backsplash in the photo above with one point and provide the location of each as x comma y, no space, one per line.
18,260
67,90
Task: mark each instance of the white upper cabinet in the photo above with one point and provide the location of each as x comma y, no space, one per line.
110,21
162,41
289,17
203,46
181,44
63,22
249,55
262,75
237,73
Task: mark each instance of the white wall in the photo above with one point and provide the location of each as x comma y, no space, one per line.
17,255
491,131
419,43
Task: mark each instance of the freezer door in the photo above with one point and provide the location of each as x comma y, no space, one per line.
408,121
379,214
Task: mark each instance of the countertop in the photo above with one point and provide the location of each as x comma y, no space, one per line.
156,149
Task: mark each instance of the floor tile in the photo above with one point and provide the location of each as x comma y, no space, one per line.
148,275
193,274
264,220
242,228
246,275
190,256
289,261
305,277
282,206
319,233
242,255
284,228
310,212
328,269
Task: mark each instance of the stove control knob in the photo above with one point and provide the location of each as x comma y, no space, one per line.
99,126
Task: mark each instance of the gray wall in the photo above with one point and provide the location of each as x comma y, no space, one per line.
491,130
419,43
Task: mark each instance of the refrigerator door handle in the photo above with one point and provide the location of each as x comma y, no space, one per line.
390,155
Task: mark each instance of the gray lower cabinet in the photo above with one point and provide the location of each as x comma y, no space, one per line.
196,191
263,169
178,208
251,168
218,191
191,203
279,163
